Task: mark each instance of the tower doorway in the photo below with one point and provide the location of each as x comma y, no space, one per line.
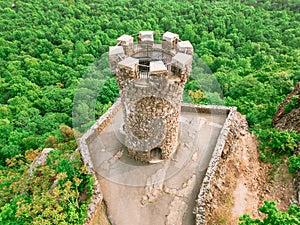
156,154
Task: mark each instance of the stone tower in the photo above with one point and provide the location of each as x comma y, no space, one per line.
151,79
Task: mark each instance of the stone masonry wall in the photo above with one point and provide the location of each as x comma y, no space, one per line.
230,132
83,147
151,115
152,124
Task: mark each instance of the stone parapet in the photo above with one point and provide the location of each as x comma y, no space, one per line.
229,132
92,133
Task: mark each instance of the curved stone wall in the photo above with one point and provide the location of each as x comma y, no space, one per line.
151,117
153,123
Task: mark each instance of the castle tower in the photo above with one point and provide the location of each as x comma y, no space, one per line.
151,79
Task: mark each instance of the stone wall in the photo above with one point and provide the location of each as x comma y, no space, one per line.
234,126
83,142
151,115
153,123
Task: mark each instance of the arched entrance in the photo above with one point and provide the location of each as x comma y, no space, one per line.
156,154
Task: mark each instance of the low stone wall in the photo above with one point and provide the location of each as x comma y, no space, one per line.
209,109
229,132
83,142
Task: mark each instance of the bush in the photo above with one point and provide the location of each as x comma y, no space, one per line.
294,163
36,199
274,216
293,104
282,142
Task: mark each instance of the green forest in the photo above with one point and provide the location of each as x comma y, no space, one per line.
47,47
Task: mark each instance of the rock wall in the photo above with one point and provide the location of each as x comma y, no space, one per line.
234,127
154,123
97,128
151,115
290,120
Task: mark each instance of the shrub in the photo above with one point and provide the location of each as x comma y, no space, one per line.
282,142
294,163
293,104
274,216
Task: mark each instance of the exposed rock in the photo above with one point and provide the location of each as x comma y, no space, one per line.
288,120
40,160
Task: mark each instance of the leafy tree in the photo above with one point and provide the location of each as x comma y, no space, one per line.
252,47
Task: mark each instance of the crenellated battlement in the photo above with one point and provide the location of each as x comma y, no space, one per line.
175,54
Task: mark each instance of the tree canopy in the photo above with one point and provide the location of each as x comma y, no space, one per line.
50,53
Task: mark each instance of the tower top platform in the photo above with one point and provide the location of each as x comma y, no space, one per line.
143,48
